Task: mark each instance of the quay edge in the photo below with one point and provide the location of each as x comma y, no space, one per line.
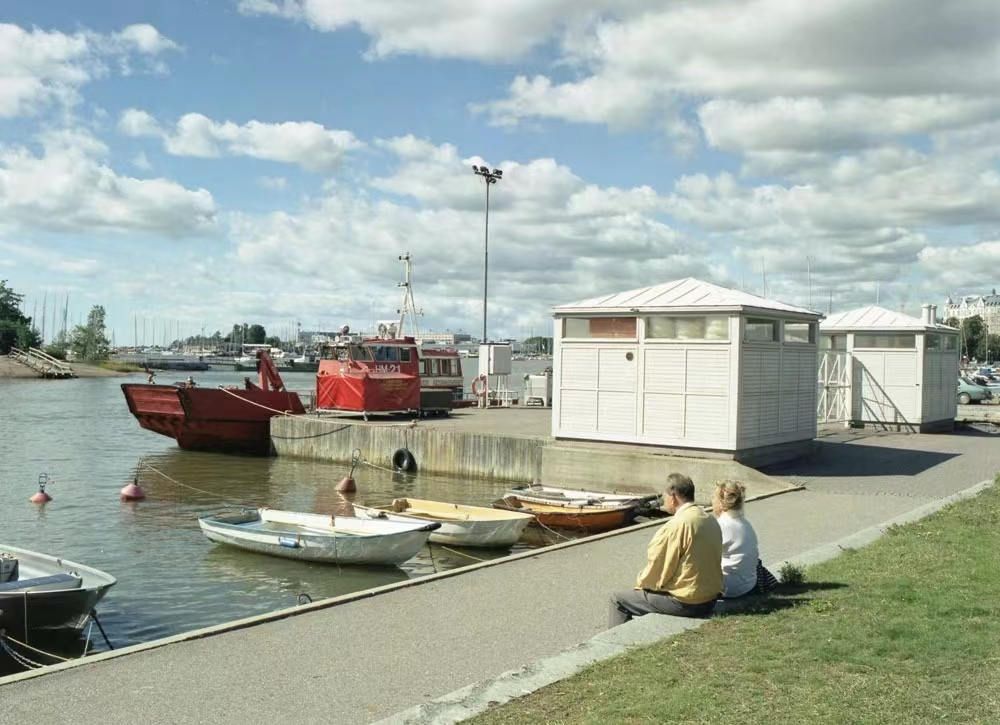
480,446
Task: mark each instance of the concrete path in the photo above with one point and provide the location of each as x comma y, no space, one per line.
368,659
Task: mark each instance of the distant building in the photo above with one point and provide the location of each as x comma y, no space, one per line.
986,306
445,338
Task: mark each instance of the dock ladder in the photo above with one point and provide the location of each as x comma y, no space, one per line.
42,363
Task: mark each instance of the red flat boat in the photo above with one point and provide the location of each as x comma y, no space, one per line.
224,419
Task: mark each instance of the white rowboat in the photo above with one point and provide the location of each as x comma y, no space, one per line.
317,537
461,525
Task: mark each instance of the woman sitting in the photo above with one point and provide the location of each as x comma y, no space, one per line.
740,555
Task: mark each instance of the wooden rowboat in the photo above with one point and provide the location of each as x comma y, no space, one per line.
563,516
320,538
574,497
461,525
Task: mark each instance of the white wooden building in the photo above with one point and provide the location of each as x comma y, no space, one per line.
887,369
689,365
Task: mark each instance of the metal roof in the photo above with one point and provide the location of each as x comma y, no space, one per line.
873,317
682,295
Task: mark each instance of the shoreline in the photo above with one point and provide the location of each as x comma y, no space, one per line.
10,370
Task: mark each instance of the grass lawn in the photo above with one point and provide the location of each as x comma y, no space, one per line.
906,630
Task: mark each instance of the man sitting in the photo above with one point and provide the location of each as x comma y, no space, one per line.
683,575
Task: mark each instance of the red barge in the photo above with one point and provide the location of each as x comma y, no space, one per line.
223,419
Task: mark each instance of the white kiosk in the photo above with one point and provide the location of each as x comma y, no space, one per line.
687,364
896,372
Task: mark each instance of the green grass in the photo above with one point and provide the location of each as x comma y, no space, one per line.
906,630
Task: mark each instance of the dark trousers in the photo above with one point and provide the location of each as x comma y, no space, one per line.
637,602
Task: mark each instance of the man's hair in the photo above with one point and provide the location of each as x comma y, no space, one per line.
680,486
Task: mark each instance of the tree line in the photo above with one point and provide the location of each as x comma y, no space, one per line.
88,342
977,341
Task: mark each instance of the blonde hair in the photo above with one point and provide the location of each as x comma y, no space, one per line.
730,495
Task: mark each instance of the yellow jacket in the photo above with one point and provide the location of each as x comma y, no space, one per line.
685,558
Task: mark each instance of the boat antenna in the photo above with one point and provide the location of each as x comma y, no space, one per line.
408,308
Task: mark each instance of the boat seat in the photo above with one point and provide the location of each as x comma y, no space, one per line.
43,583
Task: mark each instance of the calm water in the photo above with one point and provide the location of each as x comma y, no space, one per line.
170,577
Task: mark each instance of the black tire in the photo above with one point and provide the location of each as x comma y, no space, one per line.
964,398
403,460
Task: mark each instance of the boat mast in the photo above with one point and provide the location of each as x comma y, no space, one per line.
408,308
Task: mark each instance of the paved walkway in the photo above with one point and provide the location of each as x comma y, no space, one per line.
365,660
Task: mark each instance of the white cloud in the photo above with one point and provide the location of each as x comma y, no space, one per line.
69,187
140,161
277,183
473,29
39,67
304,143
553,237
53,262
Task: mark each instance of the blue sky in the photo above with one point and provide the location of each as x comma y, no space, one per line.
201,163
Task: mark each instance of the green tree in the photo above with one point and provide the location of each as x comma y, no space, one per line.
90,342
273,341
538,344
953,322
256,335
974,337
16,330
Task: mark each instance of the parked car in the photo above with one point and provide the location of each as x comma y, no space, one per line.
969,392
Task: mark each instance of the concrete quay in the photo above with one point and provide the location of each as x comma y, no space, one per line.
374,656
510,444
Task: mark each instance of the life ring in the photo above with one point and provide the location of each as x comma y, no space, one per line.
479,386
403,460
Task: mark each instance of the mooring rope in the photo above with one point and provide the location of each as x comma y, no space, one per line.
4,638
306,416
460,553
143,462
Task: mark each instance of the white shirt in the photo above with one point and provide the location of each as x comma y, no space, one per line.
739,554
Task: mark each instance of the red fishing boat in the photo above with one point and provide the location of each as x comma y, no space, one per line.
229,419
389,373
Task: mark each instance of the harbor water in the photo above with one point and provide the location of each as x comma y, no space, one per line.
171,579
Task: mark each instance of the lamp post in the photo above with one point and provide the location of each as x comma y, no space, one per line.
490,177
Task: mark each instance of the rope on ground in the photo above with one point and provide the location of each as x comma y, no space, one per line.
460,553
4,638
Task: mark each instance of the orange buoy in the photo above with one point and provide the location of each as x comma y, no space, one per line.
132,492
41,496
346,485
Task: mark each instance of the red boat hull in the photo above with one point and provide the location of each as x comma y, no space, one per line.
211,418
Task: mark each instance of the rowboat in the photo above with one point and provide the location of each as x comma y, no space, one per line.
45,596
461,525
564,515
317,537
575,497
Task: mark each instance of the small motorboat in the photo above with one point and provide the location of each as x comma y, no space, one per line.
45,596
461,525
565,515
318,537
575,497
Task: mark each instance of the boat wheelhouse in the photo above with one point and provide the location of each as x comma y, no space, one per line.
388,375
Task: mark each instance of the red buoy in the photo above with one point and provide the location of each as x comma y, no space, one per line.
132,492
347,485
41,496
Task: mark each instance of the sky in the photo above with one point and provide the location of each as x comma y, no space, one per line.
198,163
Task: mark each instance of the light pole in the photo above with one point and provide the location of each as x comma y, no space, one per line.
490,177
